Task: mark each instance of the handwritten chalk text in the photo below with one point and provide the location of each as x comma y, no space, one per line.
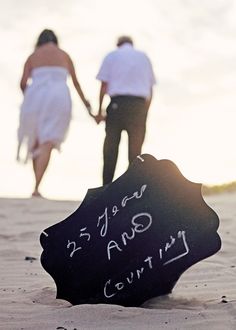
73,244
140,223
103,219
112,288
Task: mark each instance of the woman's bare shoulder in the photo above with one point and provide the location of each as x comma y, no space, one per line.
64,53
29,59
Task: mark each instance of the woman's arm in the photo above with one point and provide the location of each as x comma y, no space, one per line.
77,85
25,75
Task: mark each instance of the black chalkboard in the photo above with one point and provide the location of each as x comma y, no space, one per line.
132,239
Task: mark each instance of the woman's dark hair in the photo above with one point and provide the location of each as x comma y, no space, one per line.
45,37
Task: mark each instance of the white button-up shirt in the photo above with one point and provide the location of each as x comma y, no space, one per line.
127,71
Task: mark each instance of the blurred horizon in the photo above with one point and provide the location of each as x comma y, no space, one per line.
191,120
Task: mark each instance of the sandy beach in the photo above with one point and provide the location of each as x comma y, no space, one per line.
204,297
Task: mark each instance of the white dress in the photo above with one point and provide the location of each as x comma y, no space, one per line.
45,113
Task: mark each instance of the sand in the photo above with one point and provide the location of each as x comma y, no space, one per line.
204,297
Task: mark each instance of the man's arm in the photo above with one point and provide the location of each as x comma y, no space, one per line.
149,100
103,89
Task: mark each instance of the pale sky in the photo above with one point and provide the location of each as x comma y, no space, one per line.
191,121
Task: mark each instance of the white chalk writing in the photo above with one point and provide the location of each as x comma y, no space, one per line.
103,219
140,158
180,235
140,223
73,244
112,288
74,248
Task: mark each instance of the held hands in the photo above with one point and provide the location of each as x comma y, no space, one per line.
99,117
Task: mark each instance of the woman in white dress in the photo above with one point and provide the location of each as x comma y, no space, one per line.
46,110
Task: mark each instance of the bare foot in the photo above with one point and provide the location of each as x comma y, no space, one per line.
36,194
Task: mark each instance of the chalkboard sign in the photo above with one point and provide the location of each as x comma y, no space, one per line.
131,240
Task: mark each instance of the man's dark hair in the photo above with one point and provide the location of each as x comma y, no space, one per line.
123,40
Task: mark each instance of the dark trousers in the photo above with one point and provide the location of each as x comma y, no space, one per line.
126,113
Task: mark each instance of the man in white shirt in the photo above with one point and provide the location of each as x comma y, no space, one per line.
127,76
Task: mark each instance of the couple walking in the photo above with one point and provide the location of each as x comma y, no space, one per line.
126,75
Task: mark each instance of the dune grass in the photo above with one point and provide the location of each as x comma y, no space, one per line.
217,189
